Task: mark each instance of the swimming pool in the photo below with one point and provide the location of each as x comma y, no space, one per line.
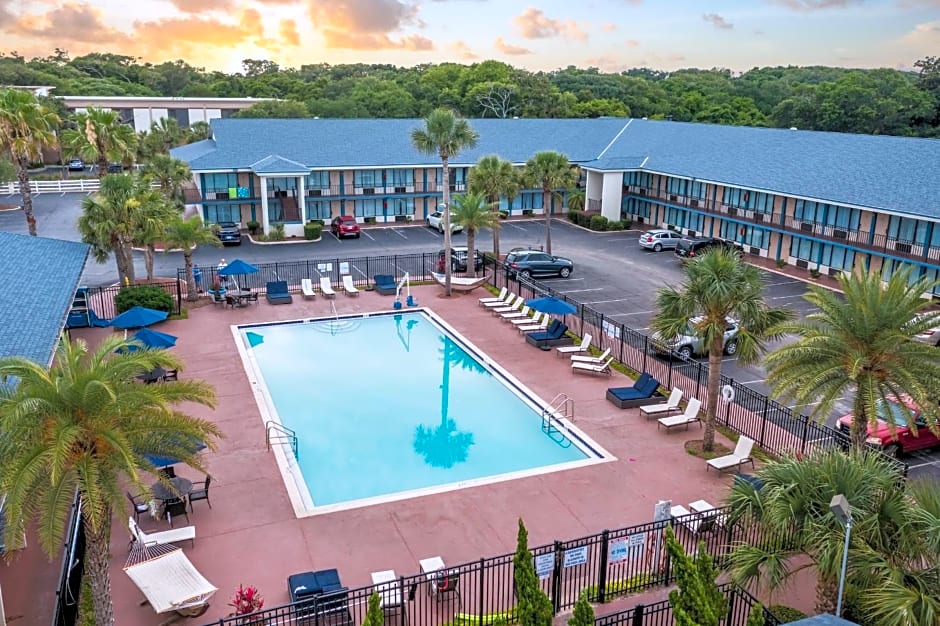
394,405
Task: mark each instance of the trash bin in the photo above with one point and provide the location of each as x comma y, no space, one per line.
197,277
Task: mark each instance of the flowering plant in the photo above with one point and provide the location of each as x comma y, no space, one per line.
247,600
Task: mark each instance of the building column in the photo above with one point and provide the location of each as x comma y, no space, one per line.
302,199
611,195
265,224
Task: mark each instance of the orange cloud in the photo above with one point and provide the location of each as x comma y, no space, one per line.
510,49
631,43
186,36
608,27
69,23
534,24
463,50
366,24
815,5
370,41
288,31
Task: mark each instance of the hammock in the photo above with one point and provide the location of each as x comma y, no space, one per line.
168,579
460,283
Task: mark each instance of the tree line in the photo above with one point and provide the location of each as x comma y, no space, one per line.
877,101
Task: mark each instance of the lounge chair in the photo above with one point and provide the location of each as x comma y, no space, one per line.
667,407
535,319
590,360
593,368
690,416
644,391
306,286
388,586
740,456
695,523
536,328
326,287
554,335
348,286
174,535
385,284
584,346
328,598
509,299
516,314
276,292
500,298
515,306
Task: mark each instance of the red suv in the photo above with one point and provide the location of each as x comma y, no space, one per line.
903,440
344,226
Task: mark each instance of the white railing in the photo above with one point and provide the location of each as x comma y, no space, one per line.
79,185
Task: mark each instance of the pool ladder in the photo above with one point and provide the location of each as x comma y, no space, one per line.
276,433
561,407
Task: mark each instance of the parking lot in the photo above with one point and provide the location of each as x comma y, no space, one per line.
613,275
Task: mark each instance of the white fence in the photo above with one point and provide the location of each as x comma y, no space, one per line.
79,185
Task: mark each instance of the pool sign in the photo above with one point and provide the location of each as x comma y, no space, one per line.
630,548
324,267
344,268
576,556
544,564
612,330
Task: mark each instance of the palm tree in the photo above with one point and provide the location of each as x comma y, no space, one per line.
167,133
170,175
576,199
100,138
154,214
444,134
549,171
86,425
494,178
472,211
109,221
26,127
199,131
893,556
859,342
187,235
718,285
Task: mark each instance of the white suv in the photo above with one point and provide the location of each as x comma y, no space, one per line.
687,344
436,220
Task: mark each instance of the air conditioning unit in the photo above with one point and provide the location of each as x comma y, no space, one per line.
315,192
802,264
358,191
642,192
400,189
732,210
693,203
368,191
210,195
673,198
840,234
807,227
409,188
759,217
903,247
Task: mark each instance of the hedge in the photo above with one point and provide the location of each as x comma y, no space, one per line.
148,296
312,230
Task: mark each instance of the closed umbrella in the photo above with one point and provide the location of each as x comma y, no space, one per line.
138,317
551,305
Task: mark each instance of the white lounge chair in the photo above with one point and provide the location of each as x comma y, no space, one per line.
388,586
534,328
591,360
326,287
690,416
584,346
348,286
306,286
515,306
593,368
516,314
667,407
174,535
493,304
500,298
535,319
695,523
740,456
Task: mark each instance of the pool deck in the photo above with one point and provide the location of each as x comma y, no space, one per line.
251,536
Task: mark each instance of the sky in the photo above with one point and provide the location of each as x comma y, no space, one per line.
611,35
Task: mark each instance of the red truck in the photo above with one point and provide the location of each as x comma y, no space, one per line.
903,439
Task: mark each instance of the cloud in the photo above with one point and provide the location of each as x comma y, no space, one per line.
187,36
534,24
924,37
919,4
374,41
631,43
362,16
717,21
463,50
507,48
288,31
815,5
75,23
608,27
607,63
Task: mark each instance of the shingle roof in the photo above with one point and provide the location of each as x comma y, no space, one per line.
276,164
39,278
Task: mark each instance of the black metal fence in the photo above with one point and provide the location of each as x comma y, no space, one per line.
740,606
98,304
70,574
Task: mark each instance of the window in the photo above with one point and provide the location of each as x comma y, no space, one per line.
401,206
369,208
401,178
281,184
215,213
318,210
367,178
844,218
907,229
180,115
753,236
832,256
220,182
632,206
317,180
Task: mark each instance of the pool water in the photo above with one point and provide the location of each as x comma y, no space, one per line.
392,403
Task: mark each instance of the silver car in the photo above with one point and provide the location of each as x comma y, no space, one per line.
689,344
931,335
660,239
436,221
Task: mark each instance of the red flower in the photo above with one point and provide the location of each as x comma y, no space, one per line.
246,600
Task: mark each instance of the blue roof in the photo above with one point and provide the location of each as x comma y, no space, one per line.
276,164
896,174
39,278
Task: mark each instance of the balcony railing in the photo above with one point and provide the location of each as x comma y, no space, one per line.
860,239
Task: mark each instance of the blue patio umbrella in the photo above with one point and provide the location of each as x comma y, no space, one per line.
551,305
163,461
138,317
238,268
154,338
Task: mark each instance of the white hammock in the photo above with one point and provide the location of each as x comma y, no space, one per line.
167,578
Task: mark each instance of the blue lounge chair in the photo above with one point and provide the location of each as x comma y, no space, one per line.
276,292
644,391
554,335
385,284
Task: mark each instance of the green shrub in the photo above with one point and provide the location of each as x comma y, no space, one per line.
598,222
277,233
253,226
627,223
503,215
786,614
312,230
584,219
615,225
615,588
574,215
148,296
814,273
781,263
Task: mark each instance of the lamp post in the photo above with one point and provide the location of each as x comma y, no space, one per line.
840,508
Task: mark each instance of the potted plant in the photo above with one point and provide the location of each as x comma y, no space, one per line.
247,600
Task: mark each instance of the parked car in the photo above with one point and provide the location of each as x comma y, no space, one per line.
660,239
903,440
345,226
436,220
76,165
115,168
688,343
931,335
689,247
228,233
528,263
458,259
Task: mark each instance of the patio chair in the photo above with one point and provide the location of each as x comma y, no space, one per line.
515,306
593,368
385,284
167,472
326,287
584,346
175,507
200,491
535,319
667,407
306,287
644,391
516,314
348,286
500,298
446,582
276,292
696,523
507,300
740,456
690,416
174,535
139,507
171,375
217,297
541,326
554,335
590,360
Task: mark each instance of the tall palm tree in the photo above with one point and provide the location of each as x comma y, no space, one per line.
26,127
860,342
549,171
85,424
444,134
199,131
894,561
576,199
494,178
167,133
170,175
187,235
109,221
472,211
154,214
718,285
100,138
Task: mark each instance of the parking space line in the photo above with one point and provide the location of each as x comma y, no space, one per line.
402,235
433,233
797,295
559,278
751,382
516,226
333,236
367,235
924,464
360,271
629,314
785,282
608,301
580,290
